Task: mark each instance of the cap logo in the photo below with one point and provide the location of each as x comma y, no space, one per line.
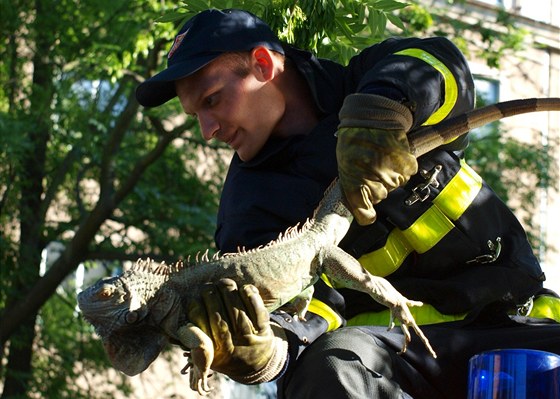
176,44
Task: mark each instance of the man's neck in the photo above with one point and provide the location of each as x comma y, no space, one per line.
301,113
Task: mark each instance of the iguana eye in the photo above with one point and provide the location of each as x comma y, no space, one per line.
106,291
131,317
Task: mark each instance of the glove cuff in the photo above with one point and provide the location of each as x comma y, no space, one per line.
373,111
275,365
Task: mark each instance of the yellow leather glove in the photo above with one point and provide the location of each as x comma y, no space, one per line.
372,151
247,347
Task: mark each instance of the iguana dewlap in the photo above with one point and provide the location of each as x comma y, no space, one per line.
138,313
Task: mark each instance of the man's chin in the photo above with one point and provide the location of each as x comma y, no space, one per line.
245,156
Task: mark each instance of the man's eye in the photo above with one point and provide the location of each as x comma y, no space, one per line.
211,100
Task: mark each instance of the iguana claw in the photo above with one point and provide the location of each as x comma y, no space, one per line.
200,357
402,313
198,378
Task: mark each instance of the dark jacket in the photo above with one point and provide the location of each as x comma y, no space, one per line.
442,265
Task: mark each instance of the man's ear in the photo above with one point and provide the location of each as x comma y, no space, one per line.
264,62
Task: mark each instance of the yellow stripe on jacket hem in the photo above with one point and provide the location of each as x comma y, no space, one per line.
423,315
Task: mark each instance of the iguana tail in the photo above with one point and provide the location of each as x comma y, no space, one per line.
428,138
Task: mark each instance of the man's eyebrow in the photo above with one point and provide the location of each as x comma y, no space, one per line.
194,98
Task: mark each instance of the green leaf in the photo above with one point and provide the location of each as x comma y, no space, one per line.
396,21
377,22
388,5
171,17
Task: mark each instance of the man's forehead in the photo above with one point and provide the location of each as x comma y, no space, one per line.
193,87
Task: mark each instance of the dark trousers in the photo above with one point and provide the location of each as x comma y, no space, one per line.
362,362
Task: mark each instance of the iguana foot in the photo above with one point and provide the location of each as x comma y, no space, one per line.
298,306
201,356
402,312
198,379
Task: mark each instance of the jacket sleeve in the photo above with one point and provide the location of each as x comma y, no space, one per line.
430,76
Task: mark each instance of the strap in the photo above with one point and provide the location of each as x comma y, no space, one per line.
430,228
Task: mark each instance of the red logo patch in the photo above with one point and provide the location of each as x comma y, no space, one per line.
176,44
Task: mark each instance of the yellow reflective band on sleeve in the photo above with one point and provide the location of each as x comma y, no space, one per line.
429,228
450,84
322,309
425,314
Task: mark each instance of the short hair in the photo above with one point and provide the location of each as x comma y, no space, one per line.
240,61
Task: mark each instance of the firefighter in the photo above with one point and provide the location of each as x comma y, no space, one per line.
431,226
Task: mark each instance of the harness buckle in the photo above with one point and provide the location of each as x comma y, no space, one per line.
495,250
525,309
422,191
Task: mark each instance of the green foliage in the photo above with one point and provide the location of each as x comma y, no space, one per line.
417,17
500,43
331,28
69,111
493,39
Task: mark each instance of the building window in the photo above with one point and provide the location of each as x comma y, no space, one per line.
499,3
487,92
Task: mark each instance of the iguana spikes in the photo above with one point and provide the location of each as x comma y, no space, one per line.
149,266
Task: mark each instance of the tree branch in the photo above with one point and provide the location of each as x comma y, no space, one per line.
70,158
77,249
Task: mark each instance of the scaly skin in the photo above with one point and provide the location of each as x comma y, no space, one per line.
138,313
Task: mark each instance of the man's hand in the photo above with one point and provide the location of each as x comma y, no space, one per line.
372,151
247,347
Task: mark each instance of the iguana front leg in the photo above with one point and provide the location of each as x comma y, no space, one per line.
349,272
201,356
299,305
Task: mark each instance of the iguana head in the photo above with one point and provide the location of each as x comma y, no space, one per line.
121,311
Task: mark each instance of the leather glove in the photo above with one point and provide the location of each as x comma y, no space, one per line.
247,347
372,151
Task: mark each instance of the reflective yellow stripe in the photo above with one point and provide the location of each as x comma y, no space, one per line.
451,90
543,307
388,258
460,192
320,308
546,306
425,314
429,228
327,280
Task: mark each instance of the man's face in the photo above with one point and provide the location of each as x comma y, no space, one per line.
240,111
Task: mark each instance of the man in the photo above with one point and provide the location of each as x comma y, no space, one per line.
431,225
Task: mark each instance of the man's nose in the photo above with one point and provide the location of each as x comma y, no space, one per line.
209,126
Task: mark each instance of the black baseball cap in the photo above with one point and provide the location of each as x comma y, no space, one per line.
201,39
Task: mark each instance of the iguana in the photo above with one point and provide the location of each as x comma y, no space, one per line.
138,313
